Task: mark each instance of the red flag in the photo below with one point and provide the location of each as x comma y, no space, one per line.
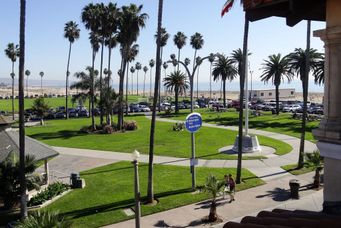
227,6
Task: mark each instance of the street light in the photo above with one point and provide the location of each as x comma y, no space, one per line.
135,155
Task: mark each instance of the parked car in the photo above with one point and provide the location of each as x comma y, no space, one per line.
59,115
291,108
83,113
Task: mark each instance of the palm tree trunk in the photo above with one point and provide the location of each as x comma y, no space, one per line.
121,85
109,81
305,97
150,190
212,217
23,202
150,82
195,55
178,58
210,81
224,93
127,81
12,75
198,84
101,83
277,99
176,90
67,82
92,90
159,108
241,100
137,82
144,84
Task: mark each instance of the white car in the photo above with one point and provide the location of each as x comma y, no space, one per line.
291,108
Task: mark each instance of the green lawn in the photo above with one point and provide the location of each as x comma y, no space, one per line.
292,168
283,123
66,133
6,105
110,189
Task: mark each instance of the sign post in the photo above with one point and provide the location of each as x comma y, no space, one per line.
193,123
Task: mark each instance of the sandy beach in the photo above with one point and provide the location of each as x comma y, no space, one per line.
36,91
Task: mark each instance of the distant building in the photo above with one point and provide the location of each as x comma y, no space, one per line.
270,94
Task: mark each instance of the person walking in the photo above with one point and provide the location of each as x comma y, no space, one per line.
232,185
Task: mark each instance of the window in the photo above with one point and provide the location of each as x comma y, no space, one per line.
292,92
270,94
262,94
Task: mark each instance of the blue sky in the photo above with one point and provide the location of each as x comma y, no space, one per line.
46,48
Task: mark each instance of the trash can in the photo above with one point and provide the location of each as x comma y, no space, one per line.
73,179
294,188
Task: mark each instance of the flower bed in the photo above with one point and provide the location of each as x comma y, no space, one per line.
50,192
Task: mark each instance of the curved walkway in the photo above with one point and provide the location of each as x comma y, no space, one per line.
265,169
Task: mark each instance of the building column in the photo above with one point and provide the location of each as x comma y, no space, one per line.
47,173
329,132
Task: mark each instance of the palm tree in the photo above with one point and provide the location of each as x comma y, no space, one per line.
319,72
138,67
71,32
131,20
151,64
150,188
27,73
314,160
211,60
301,62
133,52
22,178
176,82
276,69
111,42
145,69
44,219
180,41
165,66
40,107
12,51
213,187
197,42
225,70
132,71
163,42
41,74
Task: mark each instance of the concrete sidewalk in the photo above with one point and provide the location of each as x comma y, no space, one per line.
274,194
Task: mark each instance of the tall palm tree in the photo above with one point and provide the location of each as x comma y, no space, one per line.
176,82
111,43
224,69
133,52
71,32
197,42
138,67
163,42
180,41
150,188
302,62
27,73
131,21
151,64
276,69
41,74
12,51
211,60
90,19
145,69
23,202
132,71
165,66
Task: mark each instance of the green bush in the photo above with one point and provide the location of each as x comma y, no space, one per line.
44,219
51,191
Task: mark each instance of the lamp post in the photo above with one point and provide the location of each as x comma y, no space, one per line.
135,156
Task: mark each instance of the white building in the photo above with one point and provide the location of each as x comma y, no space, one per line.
270,94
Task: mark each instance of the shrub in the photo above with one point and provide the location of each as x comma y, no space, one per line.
107,129
51,191
130,125
179,126
44,219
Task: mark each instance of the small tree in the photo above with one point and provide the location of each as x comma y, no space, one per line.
315,161
40,107
9,178
213,187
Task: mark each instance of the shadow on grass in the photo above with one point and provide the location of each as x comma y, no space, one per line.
64,134
123,204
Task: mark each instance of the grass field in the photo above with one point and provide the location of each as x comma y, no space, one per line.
66,133
6,104
110,189
292,168
283,123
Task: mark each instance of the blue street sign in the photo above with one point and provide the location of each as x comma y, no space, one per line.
193,122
